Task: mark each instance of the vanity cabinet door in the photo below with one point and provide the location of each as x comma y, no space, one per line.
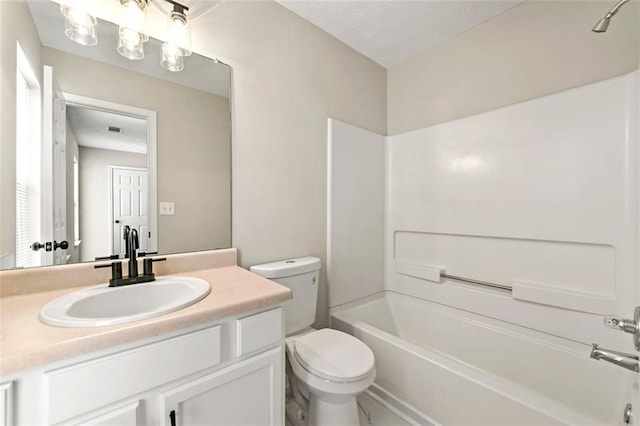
249,392
6,404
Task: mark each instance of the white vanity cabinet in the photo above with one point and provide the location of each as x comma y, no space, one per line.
248,392
200,374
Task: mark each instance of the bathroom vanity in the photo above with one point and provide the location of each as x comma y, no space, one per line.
219,361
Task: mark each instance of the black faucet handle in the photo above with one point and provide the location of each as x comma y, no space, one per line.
110,257
147,268
116,270
146,253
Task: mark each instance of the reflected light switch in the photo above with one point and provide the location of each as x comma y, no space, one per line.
167,208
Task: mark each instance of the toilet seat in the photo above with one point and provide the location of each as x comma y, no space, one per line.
333,356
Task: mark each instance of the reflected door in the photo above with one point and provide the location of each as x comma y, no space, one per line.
129,206
54,217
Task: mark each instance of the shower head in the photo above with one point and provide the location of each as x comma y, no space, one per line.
601,26
603,23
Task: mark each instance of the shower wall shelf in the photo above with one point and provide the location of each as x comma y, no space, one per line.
519,289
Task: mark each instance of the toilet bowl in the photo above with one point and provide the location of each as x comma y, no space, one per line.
330,367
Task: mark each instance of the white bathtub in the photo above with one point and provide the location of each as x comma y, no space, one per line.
442,365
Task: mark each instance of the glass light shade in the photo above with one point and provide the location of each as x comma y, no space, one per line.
133,15
79,24
172,58
179,32
130,43
130,36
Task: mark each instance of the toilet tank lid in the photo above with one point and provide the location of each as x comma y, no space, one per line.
287,268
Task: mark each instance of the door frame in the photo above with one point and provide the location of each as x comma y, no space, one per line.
635,397
152,152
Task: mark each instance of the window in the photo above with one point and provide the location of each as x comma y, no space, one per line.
28,210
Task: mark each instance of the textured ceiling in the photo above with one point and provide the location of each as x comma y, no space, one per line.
390,31
91,129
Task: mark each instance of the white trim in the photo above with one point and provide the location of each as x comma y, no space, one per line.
6,403
635,393
400,408
329,254
46,178
24,66
152,151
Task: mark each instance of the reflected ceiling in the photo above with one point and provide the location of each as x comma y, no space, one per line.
92,130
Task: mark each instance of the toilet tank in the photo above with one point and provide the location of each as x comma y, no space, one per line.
301,275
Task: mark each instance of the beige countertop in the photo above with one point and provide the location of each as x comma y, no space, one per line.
25,342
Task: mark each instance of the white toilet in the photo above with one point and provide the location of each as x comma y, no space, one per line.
331,367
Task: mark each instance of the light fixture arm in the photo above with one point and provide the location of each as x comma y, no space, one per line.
180,8
142,4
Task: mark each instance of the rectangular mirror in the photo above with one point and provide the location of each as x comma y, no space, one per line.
94,144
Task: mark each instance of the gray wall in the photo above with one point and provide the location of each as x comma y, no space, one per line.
193,146
534,49
288,77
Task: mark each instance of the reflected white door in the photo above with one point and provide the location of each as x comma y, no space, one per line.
129,203
54,200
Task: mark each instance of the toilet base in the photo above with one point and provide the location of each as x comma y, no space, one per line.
323,413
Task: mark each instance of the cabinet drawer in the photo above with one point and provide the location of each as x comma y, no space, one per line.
259,331
83,387
127,415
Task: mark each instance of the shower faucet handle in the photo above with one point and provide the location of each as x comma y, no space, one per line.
622,324
626,325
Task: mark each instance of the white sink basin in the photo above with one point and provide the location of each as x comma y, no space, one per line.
103,305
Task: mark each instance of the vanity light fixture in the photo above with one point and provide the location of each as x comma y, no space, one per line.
131,39
178,44
79,23
80,26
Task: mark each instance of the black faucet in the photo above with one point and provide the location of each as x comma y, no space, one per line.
126,230
133,244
